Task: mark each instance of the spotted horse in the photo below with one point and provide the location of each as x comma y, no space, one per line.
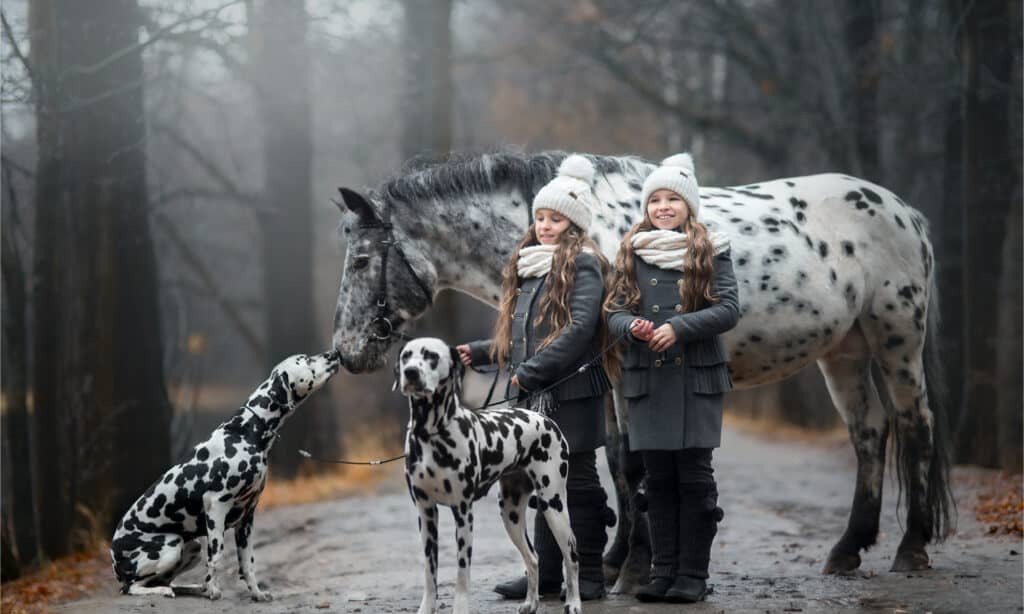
453,456
217,488
832,269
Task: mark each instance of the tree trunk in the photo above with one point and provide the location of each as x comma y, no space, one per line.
19,532
989,170
101,414
282,55
862,45
1010,355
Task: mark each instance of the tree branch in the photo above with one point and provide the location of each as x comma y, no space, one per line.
17,50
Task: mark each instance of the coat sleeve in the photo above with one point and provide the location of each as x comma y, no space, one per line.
713,319
618,325
480,352
575,339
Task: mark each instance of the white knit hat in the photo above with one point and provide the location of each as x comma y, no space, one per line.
675,173
570,192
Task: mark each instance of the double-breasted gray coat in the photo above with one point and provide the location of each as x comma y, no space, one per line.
675,396
580,413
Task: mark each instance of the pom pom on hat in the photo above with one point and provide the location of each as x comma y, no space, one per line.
579,167
571,191
676,173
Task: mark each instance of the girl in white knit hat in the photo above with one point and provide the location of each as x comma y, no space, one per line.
549,325
674,291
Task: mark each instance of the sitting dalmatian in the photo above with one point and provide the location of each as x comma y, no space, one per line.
214,490
454,456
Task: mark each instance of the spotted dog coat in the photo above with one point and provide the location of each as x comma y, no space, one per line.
454,456
216,489
831,269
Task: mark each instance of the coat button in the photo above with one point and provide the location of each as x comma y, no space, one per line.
679,309
679,361
658,363
654,281
656,308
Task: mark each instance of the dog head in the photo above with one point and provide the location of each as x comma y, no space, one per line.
293,380
426,366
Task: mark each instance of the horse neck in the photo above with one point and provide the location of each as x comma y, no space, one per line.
467,239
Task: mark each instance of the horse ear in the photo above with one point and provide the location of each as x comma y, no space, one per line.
358,204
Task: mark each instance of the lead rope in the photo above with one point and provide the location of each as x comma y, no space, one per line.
582,368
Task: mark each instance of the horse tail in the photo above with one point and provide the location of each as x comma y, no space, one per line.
939,505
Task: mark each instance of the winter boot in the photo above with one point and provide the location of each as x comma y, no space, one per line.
662,518
589,517
699,516
549,564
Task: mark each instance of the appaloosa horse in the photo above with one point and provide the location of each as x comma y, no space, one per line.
831,268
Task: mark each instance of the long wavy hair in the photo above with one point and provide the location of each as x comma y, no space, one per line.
695,291
554,307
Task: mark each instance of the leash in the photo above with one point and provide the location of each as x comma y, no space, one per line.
306,454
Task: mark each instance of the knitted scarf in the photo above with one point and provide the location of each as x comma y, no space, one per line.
666,249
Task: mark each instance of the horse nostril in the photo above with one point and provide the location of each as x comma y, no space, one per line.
412,374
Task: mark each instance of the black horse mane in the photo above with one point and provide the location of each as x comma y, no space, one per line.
463,175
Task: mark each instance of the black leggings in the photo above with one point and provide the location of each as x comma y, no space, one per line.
674,467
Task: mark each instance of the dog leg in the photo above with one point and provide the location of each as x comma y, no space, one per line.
190,556
558,522
464,539
216,514
428,535
512,501
247,558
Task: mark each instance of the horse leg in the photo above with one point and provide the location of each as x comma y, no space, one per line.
616,554
903,344
847,371
632,541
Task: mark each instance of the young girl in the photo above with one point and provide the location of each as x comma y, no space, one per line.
673,289
550,324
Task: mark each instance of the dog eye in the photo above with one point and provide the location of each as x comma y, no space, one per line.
360,262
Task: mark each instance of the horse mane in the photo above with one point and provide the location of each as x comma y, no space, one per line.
462,175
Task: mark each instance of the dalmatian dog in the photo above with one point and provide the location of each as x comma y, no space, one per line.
216,489
454,456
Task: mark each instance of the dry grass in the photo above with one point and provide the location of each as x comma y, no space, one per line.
80,574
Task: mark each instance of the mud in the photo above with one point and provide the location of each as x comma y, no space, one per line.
785,505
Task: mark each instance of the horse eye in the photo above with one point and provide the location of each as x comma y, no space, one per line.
360,262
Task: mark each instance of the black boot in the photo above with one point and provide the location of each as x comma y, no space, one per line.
589,517
663,522
699,516
549,565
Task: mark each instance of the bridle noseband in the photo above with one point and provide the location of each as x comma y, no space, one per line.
382,329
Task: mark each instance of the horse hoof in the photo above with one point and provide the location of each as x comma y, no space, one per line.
911,560
841,562
611,574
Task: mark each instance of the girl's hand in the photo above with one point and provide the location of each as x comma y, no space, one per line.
641,329
464,355
515,382
662,338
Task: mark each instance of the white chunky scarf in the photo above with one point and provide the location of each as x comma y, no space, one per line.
665,249
535,260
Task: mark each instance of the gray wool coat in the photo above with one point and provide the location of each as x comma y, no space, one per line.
580,413
675,397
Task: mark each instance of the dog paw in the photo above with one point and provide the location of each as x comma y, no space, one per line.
262,596
527,608
212,592
166,591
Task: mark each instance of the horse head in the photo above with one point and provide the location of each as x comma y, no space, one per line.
385,282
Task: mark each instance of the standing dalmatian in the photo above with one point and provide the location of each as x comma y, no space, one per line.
455,455
549,325
674,292
216,489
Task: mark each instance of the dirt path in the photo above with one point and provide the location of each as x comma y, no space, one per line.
785,504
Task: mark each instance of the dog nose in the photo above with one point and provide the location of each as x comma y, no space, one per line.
412,374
